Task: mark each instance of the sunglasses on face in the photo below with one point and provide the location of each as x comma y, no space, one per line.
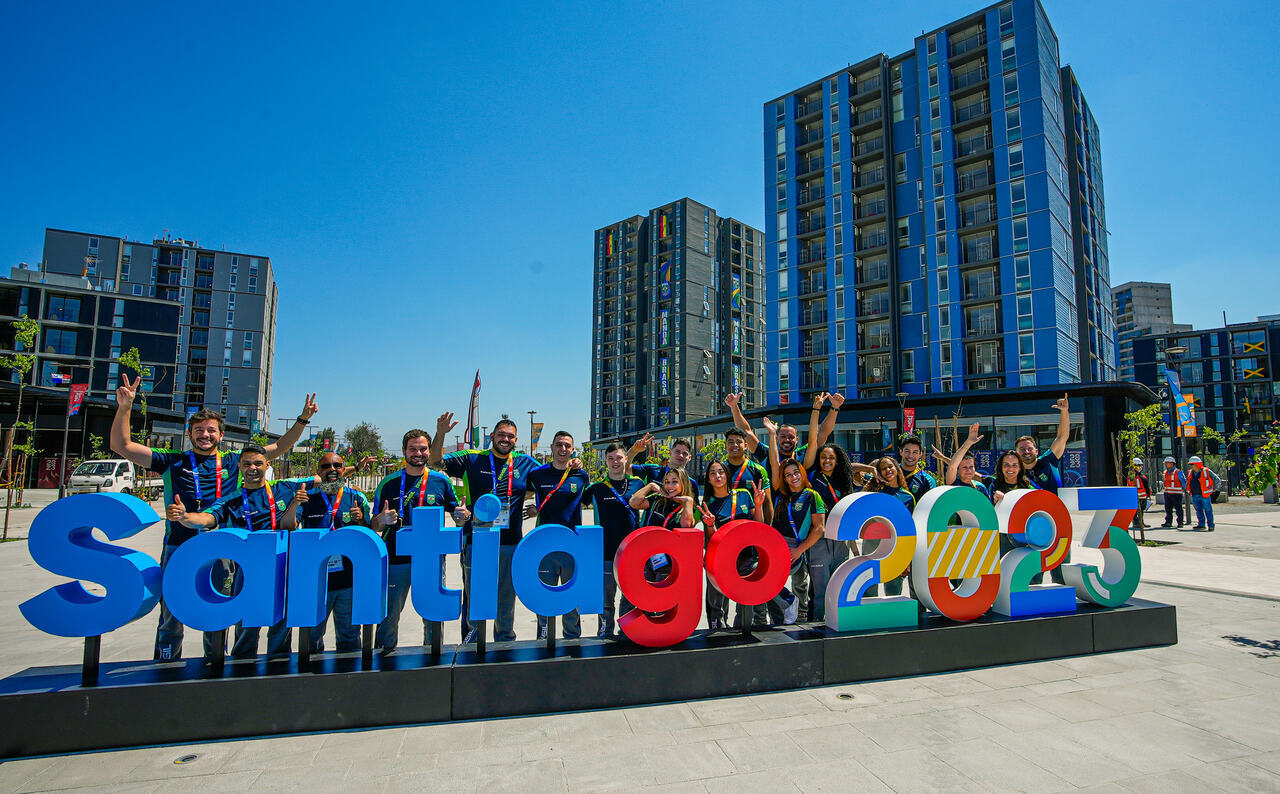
339,465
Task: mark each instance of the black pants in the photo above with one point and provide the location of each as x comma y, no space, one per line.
1173,504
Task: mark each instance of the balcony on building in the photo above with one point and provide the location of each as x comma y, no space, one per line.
812,224
873,302
870,207
808,136
976,177
977,213
979,249
874,335
815,282
874,369
811,193
970,113
814,314
813,254
869,179
982,320
871,271
983,284
875,238
863,85
808,165
813,345
968,80
867,148
865,118
966,43
811,105
814,376
973,145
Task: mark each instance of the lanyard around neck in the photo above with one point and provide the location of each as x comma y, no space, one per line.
271,507
217,475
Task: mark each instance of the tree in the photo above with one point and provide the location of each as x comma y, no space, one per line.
712,452
131,359
1264,470
593,462
364,439
1132,442
95,447
25,333
1220,463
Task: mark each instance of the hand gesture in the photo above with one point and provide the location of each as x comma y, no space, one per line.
687,501
357,515
819,399
127,391
388,516
837,400
757,495
708,517
301,498
940,455
530,510
461,515
368,460
973,438
1061,404
575,464
997,496
309,408
175,511
770,425
731,399
444,424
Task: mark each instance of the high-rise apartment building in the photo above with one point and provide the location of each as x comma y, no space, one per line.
227,324
1142,308
935,220
678,318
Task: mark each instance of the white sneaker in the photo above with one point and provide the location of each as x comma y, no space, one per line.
789,614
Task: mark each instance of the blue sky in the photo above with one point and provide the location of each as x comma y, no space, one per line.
426,180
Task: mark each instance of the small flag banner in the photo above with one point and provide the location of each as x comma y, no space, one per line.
60,379
75,397
608,244
664,228
737,291
473,410
537,434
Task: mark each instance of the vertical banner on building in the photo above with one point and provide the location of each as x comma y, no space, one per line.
537,434
664,276
1189,426
473,409
908,420
75,397
736,295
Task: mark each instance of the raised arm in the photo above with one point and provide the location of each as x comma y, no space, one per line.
775,465
829,424
444,424
1059,445
811,450
639,500
953,465
285,443
739,421
121,443
641,445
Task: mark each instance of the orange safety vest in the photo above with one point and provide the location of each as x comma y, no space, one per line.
1140,484
1206,482
1172,481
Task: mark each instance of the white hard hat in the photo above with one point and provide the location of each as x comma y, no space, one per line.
1138,461
1169,459
1194,459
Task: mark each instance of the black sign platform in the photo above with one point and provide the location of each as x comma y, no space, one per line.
47,710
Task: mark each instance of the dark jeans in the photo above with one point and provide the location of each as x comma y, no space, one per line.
783,598
1172,505
824,557
504,625
717,603
557,568
608,623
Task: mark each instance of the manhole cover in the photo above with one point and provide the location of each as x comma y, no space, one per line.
844,696
186,759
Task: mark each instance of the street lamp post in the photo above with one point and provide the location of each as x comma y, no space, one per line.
1175,428
531,413
902,409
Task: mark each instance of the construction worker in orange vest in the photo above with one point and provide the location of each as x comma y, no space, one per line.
1201,483
1175,485
1139,480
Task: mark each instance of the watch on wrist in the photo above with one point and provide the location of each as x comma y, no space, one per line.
302,421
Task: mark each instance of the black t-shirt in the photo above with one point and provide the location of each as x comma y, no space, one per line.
325,511
1045,474
558,494
436,491
825,489
613,513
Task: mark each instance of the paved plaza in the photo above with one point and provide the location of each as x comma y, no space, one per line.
1201,715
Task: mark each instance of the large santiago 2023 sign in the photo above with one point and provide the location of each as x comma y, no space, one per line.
285,572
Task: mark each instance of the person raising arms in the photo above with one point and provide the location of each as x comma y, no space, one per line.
722,504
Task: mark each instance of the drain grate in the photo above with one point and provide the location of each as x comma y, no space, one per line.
844,696
185,759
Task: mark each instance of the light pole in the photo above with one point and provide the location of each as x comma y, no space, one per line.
531,413
902,408
1175,427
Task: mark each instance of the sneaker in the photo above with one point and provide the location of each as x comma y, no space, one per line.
1210,529
1166,526
603,633
789,614
1198,526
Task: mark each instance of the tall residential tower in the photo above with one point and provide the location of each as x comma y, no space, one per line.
935,220
678,318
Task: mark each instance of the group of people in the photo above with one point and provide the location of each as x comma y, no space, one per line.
1198,484
781,482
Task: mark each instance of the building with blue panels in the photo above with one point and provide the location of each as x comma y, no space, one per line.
1230,375
935,220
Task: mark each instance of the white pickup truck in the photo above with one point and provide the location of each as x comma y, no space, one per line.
113,476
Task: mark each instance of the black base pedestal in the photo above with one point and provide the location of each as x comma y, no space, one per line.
142,703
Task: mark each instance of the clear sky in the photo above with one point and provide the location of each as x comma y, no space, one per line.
426,178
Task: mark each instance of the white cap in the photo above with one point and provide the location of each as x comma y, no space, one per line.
1138,461
1169,459
1194,459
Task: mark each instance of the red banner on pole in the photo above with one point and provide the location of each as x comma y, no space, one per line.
908,420
75,397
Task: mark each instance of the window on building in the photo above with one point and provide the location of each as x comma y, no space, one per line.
1015,160
900,168
63,309
60,341
1019,235
1018,197
899,111
1025,321
904,233
1013,123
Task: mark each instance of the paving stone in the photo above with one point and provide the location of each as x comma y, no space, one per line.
683,763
